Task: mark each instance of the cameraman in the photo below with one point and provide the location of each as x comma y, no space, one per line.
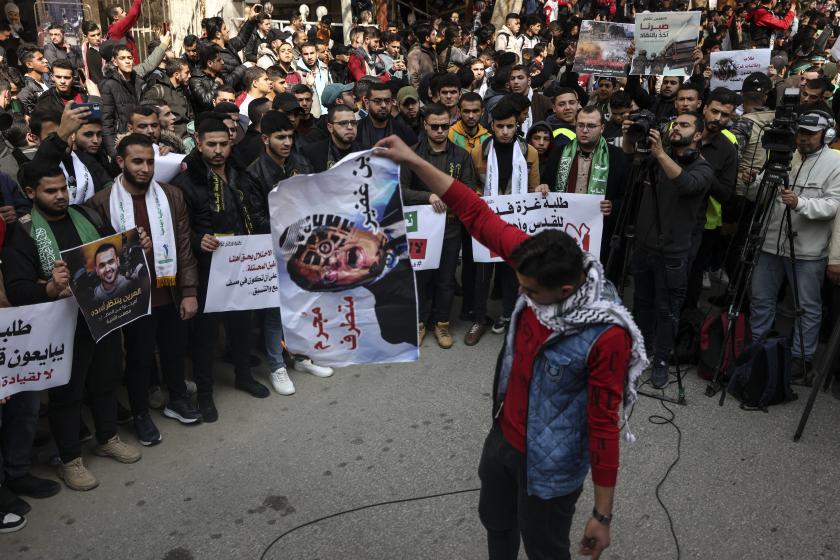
667,215
812,200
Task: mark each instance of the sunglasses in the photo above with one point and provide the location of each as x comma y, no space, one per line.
438,127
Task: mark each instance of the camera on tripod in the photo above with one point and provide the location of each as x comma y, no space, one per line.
780,139
639,131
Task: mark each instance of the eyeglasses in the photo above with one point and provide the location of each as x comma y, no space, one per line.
438,127
587,126
379,100
351,124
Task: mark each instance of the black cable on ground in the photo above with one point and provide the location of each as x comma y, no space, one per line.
360,508
660,421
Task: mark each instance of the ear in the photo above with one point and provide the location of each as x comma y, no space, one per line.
120,161
30,193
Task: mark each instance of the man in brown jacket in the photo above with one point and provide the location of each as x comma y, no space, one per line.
421,59
136,200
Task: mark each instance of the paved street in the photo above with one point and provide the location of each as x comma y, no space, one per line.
742,488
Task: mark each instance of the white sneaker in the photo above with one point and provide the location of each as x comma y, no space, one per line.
305,365
707,280
281,382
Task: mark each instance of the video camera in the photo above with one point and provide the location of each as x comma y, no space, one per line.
780,139
639,131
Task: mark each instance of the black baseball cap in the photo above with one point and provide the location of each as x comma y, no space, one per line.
757,82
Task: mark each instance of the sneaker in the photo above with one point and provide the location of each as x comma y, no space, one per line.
659,376
11,522
157,399
799,376
84,432
444,339
305,365
475,333
500,325
281,382
124,415
147,432
421,333
207,409
10,503
183,411
251,386
76,476
118,450
33,487
707,281
192,388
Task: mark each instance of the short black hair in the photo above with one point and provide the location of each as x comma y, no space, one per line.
551,257
103,248
724,96
252,74
446,79
620,100
133,139
504,109
275,121
337,109
31,173
143,111
173,66
434,109
38,118
257,109
518,100
190,40
64,64
688,84
470,96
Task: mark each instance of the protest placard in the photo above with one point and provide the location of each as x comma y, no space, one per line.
347,292
579,215
36,346
243,275
729,68
111,282
424,228
602,48
167,166
665,43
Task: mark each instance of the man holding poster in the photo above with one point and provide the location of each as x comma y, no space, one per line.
546,433
34,274
136,200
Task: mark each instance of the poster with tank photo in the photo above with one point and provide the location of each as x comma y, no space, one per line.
602,48
110,279
665,42
729,68
347,292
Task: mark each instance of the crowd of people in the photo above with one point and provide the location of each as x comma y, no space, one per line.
496,108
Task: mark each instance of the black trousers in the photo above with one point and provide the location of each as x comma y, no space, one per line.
507,511
97,372
437,287
164,328
706,255
18,420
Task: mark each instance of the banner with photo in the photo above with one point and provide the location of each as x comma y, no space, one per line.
602,48
243,275
729,68
36,346
665,43
425,229
110,279
347,292
579,215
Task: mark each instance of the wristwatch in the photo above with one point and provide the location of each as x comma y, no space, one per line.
603,519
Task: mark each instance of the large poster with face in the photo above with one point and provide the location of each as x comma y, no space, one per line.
347,292
602,48
110,279
665,43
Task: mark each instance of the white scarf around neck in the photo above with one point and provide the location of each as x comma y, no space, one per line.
160,222
82,189
518,176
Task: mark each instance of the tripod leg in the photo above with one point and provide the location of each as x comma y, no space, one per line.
833,349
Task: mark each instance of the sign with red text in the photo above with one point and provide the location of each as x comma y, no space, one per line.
243,275
579,215
729,68
36,346
424,228
347,292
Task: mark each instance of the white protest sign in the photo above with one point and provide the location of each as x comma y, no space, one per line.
243,275
729,68
579,215
166,167
36,346
424,228
665,43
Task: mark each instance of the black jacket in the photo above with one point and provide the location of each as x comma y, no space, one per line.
29,94
456,163
51,101
53,151
365,137
263,175
119,96
177,99
323,154
233,71
233,216
202,89
250,147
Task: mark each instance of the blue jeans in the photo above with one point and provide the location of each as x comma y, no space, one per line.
766,281
273,333
659,286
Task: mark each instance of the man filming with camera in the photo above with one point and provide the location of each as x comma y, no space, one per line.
667,216
810,202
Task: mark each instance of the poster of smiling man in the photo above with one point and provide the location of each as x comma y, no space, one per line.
347,292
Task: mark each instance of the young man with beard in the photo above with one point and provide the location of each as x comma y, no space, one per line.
421,59
218,33
666,221
601,99
546,433
63,91
437,287
307,120
342,127
215,188
379,123
172,90
720,148
468,132
34,274
136,200
205,80
520,82
363,63
408,107
315,71
446,90
661,104
689,98
505,165
278,161
58,49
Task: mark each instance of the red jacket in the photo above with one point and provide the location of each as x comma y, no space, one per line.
356,68
121,29
762,17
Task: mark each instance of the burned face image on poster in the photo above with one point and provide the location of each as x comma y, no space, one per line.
110,279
